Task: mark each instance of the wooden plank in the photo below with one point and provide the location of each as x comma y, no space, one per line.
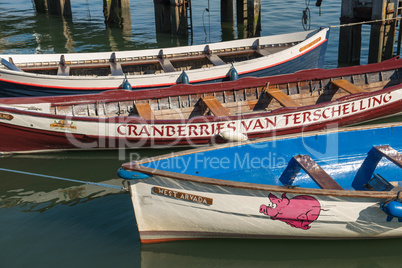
215,60
215,106
115,69
167,66
347,86
63,70
323,180
145,110
281,97
390,153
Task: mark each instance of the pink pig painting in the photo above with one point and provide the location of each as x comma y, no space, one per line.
298,211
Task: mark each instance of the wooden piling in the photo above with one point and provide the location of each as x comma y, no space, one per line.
349,37
178,12
171,16
115,12
40,6
382,35
162,16
253,18
227,10
59,7
241,10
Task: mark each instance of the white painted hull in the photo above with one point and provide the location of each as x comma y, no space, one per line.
235,213
15,83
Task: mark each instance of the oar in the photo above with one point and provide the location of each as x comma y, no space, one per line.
65,179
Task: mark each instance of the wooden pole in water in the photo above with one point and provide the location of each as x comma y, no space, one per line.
117,12
253,18
59,7
377,31
40,6
349,37
179,22
382,35
227,10
162,16
171,16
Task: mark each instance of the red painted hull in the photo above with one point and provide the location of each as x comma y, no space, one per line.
20,139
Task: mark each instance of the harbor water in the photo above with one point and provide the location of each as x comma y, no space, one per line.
46,222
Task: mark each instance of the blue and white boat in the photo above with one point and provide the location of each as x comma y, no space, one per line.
322,185
80,73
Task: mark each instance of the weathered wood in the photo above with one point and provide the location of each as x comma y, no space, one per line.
178,17
253,18
167,66
377,31
281,97
63,70
41,6
216,60
215,106
349,37
390,153
117,13
144,110
59,7
227,10
374,156
347,86
317,174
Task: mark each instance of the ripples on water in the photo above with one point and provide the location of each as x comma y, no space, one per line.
48,223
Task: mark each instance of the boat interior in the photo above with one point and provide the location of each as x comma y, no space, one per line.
233,102
152,64
304,162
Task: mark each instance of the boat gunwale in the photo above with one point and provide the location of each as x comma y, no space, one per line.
137,166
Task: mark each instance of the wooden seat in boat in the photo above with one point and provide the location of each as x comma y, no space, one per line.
167,66
374,156
319,176
281,97
347,86
145,110
215,106
215,60
390,153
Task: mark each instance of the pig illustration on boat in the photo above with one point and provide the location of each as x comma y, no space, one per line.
299,211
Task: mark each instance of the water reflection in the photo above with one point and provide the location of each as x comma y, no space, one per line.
272,253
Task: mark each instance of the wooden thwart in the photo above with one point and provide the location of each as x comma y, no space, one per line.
216,60
319,176
281,97
215,106
167,66
390,153
347,86
145,110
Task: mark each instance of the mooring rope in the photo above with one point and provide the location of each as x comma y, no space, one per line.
364,22
65,179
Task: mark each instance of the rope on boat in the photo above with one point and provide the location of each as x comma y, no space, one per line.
66,179
364,22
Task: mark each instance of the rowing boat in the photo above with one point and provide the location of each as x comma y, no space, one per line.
80,73
321,185
189,115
